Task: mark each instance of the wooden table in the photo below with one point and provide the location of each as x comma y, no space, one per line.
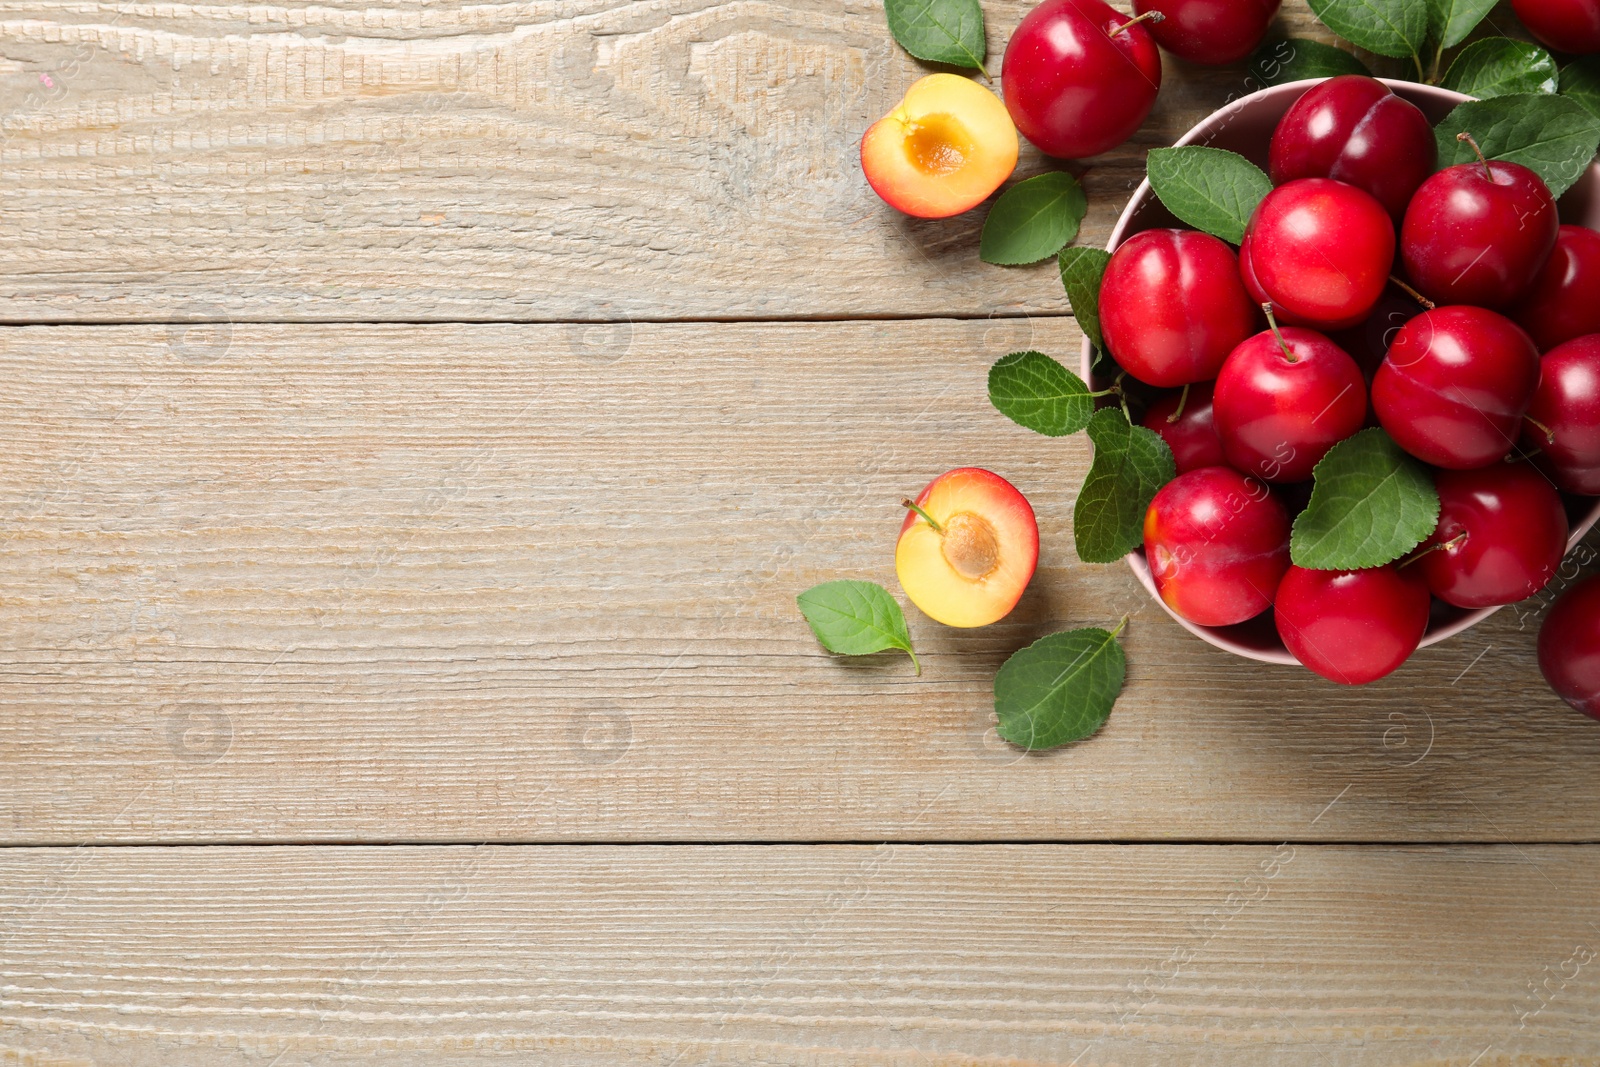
418,420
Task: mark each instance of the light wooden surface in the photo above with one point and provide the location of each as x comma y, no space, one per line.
829,956
663,159
469,583
531,581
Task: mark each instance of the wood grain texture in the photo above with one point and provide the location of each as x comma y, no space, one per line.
823,955
536,583
521,161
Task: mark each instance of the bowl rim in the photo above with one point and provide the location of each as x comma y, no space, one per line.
1141,195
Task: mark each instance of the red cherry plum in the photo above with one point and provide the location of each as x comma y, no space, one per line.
1564,25
1569,647
1562,426
1455,384
1564,301
1212,32
1172,306
1352,627
1185,423
1217,544
1078,79
1501,535
1320,251
1479,233
1355,130
1281,404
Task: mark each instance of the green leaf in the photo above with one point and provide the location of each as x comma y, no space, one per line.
1081,272
1130,465
856,619
1295,59
1209,188
1060,688
939,31
1033,220
1450,21
1580,81
1499,66
1370,504
1551,135
1039,394
1395,28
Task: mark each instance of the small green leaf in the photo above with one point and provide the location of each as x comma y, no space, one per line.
1370,504
1295,59
1580,81
1209,188
1060,688
939,31
1081,272
1553,136
1039,394
1499,66
1033,220
856,619
1450,21
1395,28
1130,465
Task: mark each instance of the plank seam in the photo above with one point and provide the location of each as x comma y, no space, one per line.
1195,843
781,320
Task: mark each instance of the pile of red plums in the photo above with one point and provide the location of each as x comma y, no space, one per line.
1369,290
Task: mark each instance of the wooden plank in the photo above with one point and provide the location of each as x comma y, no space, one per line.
533,583
500,161
830,956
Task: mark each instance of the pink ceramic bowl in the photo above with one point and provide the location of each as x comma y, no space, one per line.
1245,126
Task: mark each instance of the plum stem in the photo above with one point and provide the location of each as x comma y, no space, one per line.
1177,412
912,504
1150,16
1412,293
1549,434
1453,542
1120,626
1467,137
1272,324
